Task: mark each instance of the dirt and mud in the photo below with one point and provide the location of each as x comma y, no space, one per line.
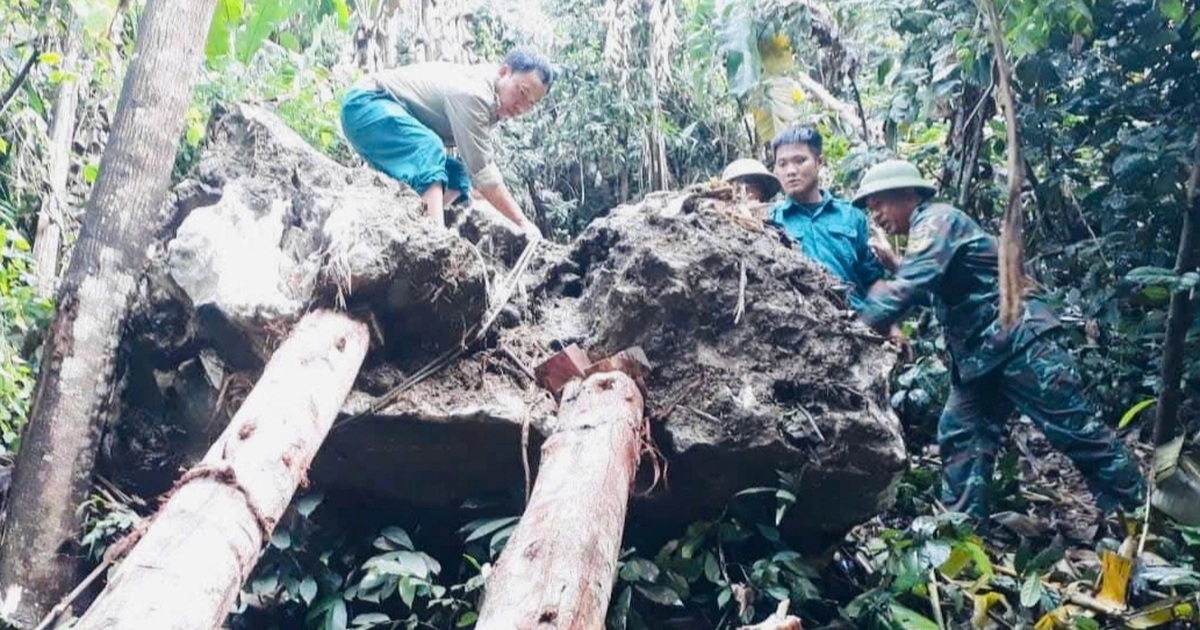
761,374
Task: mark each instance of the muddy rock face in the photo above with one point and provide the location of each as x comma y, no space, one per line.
761,375
759,366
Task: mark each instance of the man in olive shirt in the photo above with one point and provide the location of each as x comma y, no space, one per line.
401,121
951,259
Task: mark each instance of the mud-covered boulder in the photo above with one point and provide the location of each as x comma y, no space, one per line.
759,368
761,375
283,227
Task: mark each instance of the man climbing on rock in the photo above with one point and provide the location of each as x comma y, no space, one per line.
951,259
829,230
401,121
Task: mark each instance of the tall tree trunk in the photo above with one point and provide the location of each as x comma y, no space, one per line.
187,569
557,570
38,553
375,38
48,241
442,31
1180,318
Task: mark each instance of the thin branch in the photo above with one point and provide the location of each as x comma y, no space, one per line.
1180,318
23,74
935,600
862,112
1012,277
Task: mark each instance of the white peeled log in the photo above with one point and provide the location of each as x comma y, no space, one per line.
557,569
196,552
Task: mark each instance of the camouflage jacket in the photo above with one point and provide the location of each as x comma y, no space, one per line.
953,260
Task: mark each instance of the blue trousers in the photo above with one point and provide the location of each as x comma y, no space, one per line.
391,140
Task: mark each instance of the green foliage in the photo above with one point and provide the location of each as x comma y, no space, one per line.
105,521
704,571
311,571
302,85
22,314
240,28
906,558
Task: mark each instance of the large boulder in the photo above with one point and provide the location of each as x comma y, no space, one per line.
761,375
761,368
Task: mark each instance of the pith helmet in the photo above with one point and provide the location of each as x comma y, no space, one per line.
752,170
891,175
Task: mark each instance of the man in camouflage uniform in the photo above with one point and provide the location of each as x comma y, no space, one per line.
951,259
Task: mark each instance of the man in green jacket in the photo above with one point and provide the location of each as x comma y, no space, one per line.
401,121
951,259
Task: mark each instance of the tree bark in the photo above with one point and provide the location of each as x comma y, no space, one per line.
48,241
39,559
375,38
19,80
557,570
197,551
1012,254
1179,319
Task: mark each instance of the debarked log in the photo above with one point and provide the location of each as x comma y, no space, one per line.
196,552
557,569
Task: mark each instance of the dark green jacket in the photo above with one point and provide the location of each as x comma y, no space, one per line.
953,260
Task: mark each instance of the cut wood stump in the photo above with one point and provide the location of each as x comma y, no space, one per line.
185,572
557,569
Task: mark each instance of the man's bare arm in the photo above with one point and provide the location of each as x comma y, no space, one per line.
503,201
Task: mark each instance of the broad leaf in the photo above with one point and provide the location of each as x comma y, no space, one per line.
265,17
335,616
226,20
308,590
639,570
739,44
486,527
370,619
309,502
1031,590
910,619
660,594
396,536
618,612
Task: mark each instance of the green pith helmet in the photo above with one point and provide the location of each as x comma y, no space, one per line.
748,169
891,175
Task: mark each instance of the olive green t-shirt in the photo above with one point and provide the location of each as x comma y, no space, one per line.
457,101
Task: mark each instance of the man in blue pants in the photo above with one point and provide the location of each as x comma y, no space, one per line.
401,121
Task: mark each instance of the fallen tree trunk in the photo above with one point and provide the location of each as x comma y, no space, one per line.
557,570
197,550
